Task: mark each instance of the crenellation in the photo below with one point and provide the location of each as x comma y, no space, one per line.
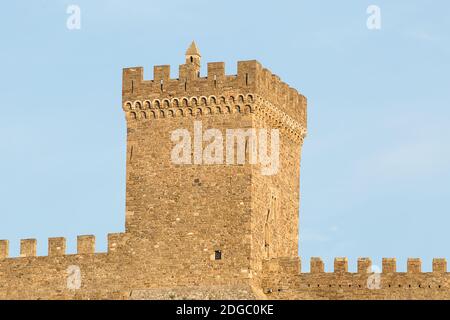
161,75
56,246
247,75
267,79
439,265
28,248
317,265
251,78
4,249
284,94
360,285
340,265
364,265
131,80
216,75
86,244
414,265
293,97
389,265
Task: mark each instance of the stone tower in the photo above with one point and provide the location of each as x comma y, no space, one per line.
211,224
207,216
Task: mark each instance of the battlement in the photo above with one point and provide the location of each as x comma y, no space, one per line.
57,246
282,281
190,90
364,265
249,75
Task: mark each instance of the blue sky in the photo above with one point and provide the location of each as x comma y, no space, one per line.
376,163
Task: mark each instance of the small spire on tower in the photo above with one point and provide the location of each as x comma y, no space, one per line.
192,65
193,50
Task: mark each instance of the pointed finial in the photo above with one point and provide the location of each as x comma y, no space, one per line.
193,50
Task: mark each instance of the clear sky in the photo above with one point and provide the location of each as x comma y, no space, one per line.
376,163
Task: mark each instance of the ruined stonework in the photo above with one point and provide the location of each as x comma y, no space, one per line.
215,231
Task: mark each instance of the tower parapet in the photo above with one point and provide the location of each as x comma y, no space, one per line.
190,90
363,284
4,249
28,248
57,246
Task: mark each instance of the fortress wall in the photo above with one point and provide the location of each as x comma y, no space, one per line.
32,277
283,280
115,274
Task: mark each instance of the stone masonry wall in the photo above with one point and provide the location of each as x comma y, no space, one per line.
284,280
